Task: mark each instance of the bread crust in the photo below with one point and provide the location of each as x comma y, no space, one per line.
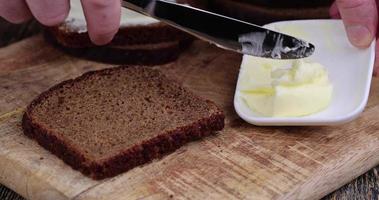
139,154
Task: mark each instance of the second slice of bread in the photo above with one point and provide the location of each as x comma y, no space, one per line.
106,122
139,40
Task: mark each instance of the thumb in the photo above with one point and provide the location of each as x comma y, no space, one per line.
361,19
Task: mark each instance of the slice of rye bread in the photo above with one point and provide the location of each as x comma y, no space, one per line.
106,122
262,13
140,39
154,33
142,54
135,29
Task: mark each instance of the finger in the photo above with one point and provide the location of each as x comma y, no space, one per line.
360,18
334,12
15,11
49,12
103,19
376,65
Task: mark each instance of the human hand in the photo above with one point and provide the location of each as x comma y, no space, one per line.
102,16
361,22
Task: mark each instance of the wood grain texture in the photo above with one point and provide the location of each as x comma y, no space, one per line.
241,162
364,187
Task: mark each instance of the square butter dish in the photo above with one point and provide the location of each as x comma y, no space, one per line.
349,70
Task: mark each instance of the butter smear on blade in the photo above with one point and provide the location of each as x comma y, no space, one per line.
284,88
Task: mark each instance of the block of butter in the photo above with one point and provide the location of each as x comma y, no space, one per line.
284,88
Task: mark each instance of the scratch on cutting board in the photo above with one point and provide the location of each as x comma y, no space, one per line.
210,185
166,189
182,185
302,144
93,186
27,187
313,150
239,172
246,144
11,113
305,155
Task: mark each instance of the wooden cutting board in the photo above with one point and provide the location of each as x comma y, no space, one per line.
241,162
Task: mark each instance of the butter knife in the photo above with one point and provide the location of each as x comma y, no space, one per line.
223,31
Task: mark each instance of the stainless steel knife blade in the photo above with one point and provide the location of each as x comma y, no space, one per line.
225,32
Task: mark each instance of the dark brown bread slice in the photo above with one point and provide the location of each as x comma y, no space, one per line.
149,54
130,35
68,35
140,43
144,45
263,14
107,122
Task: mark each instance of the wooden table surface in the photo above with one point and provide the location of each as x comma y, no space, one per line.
364,187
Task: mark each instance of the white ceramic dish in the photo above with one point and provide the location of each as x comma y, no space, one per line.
350,71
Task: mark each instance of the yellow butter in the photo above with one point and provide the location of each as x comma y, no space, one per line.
284,88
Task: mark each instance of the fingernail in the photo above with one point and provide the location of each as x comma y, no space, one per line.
359,35
335,15
102,39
